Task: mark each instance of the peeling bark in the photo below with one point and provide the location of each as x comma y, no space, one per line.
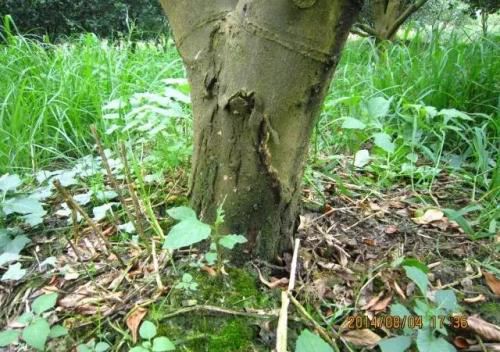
259,71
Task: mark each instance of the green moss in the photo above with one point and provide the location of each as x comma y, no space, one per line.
236,335
490,311
202,332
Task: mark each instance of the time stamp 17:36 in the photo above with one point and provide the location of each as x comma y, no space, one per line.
405,321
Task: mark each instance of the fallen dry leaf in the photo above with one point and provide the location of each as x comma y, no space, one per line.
369,242
489,347
373,301
134,320
391,229
399,290
492,282
210,271
460,342
430,215
361,338
485,330
382,305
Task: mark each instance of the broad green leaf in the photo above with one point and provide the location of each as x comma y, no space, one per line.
186,233
34,219
67,178
352,123
401,311
104,196
447,300
418,277
8,258
427,342
41,193
187,278
162,344
83,199
23,206
177,95
7,337
415,263
36,334
15,272
139,349
101,211
52,261
454,113
395,344
362,158
102,347
147,344
147,330
128,228
44,302
309,342
58,331
211,258
16,245
378,107
181,213
230,241
84,348
25,318
384,141
9,183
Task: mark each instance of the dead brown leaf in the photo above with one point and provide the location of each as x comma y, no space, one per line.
430,215
210,271
391,229
361,338
399,290
492,282
485,330
134,320
460,342
382,305
373,301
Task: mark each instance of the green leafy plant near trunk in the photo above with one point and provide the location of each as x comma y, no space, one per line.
190,231
37,328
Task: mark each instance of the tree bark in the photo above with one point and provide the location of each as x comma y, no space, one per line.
259,71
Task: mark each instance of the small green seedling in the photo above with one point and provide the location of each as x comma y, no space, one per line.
150,342
308,341
190,231
37,328
432,313
187,284
92,346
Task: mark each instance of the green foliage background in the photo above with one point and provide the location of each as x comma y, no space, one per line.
106,18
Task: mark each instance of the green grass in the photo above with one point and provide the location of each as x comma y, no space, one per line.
51,94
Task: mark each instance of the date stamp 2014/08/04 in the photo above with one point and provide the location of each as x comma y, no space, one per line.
405,321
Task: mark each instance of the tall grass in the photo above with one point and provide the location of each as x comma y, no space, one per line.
50,94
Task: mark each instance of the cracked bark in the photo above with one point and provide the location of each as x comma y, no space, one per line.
259,71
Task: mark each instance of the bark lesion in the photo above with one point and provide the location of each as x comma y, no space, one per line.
282,190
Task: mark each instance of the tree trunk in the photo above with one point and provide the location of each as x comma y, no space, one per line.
259,71
385,14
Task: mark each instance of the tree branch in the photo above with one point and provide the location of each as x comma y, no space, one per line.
367,29
404,16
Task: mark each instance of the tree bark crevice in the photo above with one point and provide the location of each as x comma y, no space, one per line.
259,71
